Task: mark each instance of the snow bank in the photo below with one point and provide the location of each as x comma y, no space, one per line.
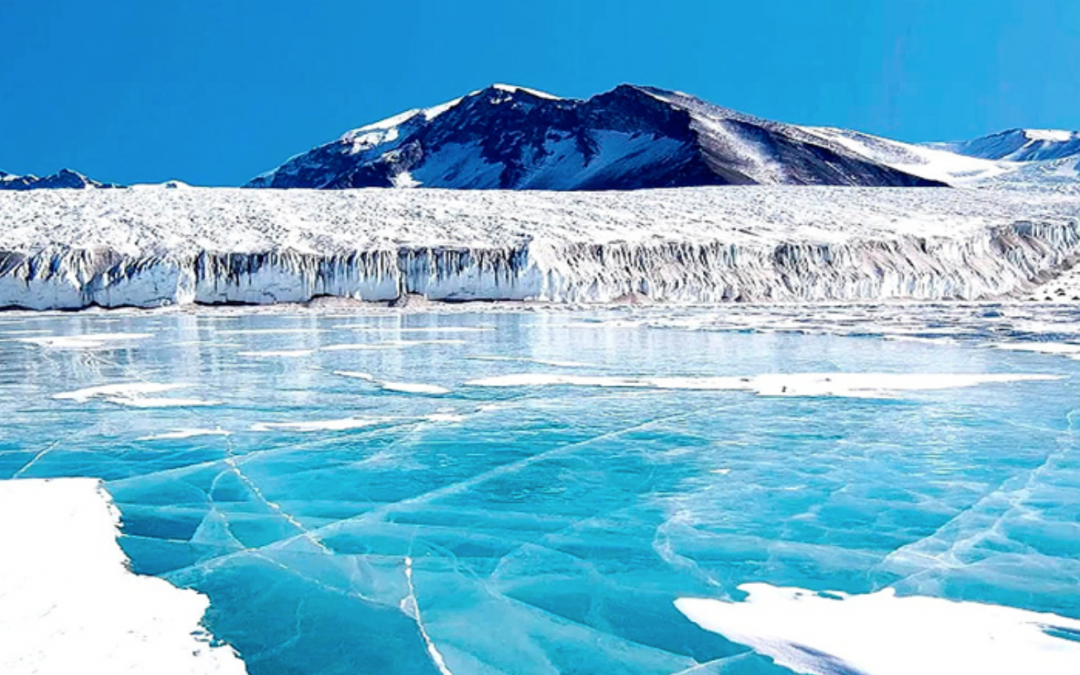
155,247
70,605
881,634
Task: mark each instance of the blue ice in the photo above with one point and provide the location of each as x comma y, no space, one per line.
547,529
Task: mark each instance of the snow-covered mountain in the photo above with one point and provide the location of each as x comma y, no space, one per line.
63,179
633,137
1019,145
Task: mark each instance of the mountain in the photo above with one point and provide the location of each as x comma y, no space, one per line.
1018,145
63,179
632,137
929,162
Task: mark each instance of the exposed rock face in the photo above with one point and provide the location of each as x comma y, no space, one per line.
63,179
632,137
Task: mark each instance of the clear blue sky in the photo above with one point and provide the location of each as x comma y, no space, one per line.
216,91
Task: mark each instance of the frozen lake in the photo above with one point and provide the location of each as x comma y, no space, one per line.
531,492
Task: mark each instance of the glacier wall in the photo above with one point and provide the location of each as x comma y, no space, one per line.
981,263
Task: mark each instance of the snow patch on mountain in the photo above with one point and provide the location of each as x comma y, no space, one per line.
929,162
509,137
1019,145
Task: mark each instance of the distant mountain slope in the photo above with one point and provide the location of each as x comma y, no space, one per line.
1018,145
632,137
932,163
63,179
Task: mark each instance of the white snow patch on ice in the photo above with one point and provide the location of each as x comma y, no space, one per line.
391,344
318,425
119,390
153,402
1059,348
854,385
414,388
357,376
365,328
403,387
88,341
542,362
881,634
181,434
70,604
277,354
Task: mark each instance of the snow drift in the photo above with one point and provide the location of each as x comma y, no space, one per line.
151,247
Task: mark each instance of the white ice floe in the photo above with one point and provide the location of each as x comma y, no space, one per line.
160,402
882,634
542,362
444,417
87,341
1057,348
181,434
70,603
359,346
367,328
855,385
268,331
277,354
391,344
404,387
119,390
318,425
356,376
414,388
135,395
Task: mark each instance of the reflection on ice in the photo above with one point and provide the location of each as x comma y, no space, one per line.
91,341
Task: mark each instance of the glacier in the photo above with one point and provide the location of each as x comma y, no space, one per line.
153,247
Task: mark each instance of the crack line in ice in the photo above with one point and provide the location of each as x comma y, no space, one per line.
1006,500
410,602
231,461
351,593
723,660
39,456
446,490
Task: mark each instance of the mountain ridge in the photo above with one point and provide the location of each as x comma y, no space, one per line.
62,179
632,137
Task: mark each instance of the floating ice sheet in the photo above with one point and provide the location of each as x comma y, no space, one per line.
70,605
882,634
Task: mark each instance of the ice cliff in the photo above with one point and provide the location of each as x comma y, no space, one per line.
151,247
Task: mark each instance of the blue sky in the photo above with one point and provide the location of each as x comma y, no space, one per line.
215,91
